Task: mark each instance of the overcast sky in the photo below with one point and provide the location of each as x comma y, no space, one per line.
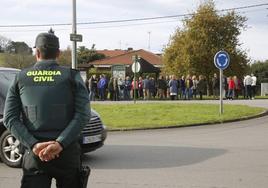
129,34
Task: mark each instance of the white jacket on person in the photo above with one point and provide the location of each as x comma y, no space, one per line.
254,80
248,80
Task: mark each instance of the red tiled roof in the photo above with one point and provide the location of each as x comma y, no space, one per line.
126,59
112,53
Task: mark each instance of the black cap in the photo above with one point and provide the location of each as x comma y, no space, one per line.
47,40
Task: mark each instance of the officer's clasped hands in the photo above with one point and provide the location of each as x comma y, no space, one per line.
47,151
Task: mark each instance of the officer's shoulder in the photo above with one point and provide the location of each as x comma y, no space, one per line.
25,70
73,72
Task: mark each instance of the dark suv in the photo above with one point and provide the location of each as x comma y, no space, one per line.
92,138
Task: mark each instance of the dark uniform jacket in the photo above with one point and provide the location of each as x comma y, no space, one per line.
47,102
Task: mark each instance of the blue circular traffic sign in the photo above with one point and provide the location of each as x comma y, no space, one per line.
221,60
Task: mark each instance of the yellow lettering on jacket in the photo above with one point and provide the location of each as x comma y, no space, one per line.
43,75
43,79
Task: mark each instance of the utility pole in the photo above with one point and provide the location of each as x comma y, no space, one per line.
74,37
74,42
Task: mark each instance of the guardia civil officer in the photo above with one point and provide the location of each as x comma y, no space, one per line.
46,108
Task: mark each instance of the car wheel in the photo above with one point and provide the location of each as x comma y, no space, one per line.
10,150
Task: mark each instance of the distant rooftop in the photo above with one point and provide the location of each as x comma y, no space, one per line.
112,53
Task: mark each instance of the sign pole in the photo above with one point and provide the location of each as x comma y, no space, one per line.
221,61
221,100
134,90
135,67
74,52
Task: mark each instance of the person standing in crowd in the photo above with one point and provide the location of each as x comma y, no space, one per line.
194,87
111,89
231,88
243,89
253,85
140,88
152,88
146,87
188,87
166,92
161,87
237,87
116,89
247,84
215,86
134,89
93,87
173,87
105,86
201,86
46,113
225,89
127,88
102,87
121,88
182,88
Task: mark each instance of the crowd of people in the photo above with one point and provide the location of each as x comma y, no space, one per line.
232,87
170,87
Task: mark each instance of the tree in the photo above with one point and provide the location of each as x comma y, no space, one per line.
85,55
192,48
65,57
4,42
17,55
18,48
260,70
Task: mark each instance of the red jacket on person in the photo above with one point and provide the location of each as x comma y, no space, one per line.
231,84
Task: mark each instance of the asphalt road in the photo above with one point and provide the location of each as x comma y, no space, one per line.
231,155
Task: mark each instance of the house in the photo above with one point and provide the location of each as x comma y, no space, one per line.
123,59
112,53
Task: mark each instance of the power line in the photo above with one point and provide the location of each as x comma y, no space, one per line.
127,20
98,22
245,7
95,27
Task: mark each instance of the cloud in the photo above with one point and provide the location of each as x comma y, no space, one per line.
31,11
254,41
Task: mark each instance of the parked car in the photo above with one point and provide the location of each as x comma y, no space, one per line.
92,137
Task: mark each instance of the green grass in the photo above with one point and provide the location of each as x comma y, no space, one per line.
1,59
262,97
156,115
